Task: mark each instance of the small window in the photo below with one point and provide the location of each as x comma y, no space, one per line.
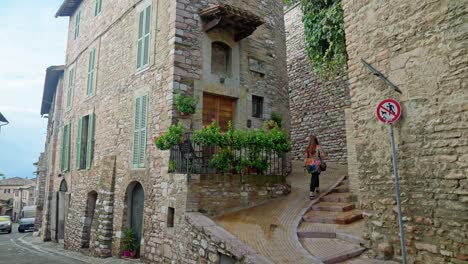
257,106
71,76
139,132
97,9
220,58
84,142
91,72
170,217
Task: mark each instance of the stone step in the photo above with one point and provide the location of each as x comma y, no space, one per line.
333,207
337,197
331,250
341,189
342,218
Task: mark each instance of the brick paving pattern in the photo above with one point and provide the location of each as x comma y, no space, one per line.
271,228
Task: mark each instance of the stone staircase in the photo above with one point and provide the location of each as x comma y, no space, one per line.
322,230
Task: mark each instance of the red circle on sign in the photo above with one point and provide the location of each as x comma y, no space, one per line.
388,111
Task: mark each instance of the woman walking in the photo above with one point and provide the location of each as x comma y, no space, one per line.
313,156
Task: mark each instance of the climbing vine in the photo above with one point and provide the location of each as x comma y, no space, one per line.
324,35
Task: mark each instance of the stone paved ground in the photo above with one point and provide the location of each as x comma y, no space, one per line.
271,228
52,248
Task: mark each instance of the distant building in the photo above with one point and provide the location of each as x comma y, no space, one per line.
16,193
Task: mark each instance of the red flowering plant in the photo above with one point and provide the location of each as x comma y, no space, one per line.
174,136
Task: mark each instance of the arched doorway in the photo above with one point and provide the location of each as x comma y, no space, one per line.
135,197
88,219
62,209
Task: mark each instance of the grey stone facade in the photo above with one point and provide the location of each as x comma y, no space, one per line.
179,61
316,107
421,46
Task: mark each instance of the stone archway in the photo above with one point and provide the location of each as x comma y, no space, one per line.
135,201
88,219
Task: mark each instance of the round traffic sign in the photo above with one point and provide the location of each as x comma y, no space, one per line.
388,111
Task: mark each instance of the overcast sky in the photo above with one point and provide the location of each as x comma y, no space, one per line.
31,39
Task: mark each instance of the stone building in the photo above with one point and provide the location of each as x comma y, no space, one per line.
316,107
20,192
421,46
124,63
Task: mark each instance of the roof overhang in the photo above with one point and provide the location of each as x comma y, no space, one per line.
243,22
3,120
53,74
68,8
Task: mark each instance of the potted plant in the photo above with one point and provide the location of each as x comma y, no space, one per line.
186,105
170,138
129,242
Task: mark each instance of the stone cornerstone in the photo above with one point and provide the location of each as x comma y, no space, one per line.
422,47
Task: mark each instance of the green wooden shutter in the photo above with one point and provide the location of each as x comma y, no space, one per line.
66,166
91,63
143,120
140,39
71,76
62,151
77,24
97,9
78,143
147,36
90,143
136,133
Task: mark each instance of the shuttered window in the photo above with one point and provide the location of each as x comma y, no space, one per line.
65,149
77,24
97,9
144,27
91,72
85,142
71,76
139,131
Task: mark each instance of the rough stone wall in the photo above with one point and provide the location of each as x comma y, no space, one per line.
175,64
40,185
316,107
219,194
113,34
422,47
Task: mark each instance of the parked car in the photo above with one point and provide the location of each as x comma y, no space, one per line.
27,219
5,223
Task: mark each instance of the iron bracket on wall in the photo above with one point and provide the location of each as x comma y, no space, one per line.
381,76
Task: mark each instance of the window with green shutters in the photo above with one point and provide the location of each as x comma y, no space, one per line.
139,131
91,72
65,149
71,76
85,142
97,9
77,24
144,28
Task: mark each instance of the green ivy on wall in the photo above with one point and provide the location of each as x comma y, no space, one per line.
324,35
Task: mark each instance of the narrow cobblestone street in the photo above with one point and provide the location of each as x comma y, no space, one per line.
23,248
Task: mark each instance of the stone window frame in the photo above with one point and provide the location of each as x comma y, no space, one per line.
228,53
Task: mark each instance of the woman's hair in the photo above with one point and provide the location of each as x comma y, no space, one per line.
312,146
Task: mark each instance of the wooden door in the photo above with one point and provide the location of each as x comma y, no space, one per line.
218,108
137,206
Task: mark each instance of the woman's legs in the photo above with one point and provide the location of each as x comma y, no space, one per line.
314,181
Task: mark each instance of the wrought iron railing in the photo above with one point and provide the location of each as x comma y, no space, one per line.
193,158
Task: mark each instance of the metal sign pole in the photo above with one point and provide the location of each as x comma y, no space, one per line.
397,189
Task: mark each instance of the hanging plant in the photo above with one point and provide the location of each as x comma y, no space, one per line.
186,105
325,36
